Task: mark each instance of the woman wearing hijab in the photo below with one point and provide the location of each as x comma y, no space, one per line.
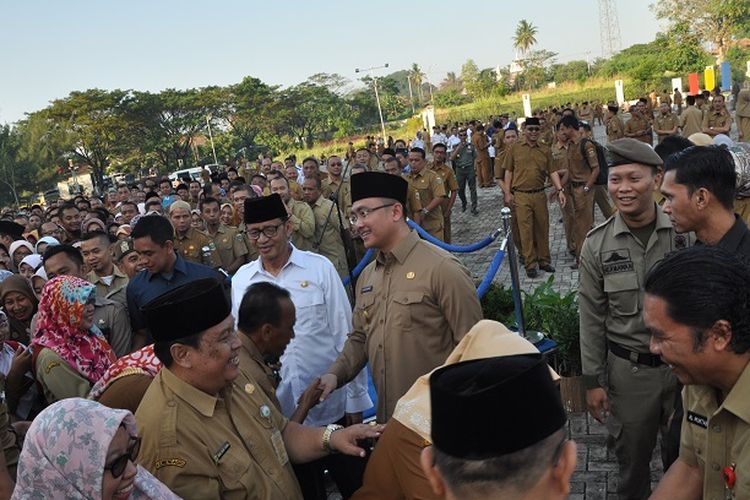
227,215
78,449
126,380
20,305
69,351
45,242
38,280
18,250
29,265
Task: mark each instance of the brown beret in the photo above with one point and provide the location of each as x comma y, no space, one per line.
121,248
628,150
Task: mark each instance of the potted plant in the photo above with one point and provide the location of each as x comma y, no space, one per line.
555,314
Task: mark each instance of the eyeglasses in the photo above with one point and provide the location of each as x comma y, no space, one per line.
335,164
533,129
362,213
118,465
268,231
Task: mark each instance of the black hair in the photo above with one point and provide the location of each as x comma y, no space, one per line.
702,285
311,158
158,228
690,100
709,167
389,151
72,252
261,305
98,234
670,145
162,348
208,200
569,121
70,204
439,145
419,151
316,179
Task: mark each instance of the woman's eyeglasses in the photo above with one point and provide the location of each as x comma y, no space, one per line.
118,465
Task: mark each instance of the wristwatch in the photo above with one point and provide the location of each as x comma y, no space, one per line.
329,430
586,189
425,211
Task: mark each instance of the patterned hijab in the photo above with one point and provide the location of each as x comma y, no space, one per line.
61,309
141,362
65,451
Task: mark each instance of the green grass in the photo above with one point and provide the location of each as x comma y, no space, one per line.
599,89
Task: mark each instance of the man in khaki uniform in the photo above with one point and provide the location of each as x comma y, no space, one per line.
717,120
301,215
615,127
334,183
413,204
448,176
239,196
509,137
559,152
482,163
207,430
228,242
188,241
583,168
463,158
678,100
742,113
665,99
110,282
527,166
431,191
414,302
327,238
636,388
691,120
702,334
666,123
639,126
585,113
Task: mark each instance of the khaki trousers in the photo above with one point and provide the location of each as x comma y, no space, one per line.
394,470
582,204
482,165
641,400
533,228
568,217
446,224
601,198
743,127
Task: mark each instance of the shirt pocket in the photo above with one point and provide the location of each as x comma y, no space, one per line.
406,305
363,311
623,292
233,469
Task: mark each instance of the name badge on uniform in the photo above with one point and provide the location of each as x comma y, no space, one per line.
223,449
278,446
366,289
698,420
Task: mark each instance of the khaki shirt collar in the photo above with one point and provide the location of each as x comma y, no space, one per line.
662,222
95,278
204,403
401,251
737,401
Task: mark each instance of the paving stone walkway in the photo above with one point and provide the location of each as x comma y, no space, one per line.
596,472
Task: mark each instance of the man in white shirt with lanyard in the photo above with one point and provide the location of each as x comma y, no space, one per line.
324,319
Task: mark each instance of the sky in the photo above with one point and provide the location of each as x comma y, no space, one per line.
53,47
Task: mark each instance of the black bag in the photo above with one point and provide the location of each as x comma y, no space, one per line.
601,157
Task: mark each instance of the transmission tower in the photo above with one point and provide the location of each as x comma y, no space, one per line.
609,27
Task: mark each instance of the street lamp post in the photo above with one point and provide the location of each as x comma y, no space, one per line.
211,137
377,96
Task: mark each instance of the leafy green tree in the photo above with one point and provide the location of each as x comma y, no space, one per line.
717,22
524,37
308,112
470,77
417,78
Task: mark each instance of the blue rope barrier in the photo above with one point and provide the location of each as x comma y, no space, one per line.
453,248
360,266
497,261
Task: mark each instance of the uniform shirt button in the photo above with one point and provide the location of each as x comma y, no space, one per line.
634,369
380,346
717,428
171,404
715,466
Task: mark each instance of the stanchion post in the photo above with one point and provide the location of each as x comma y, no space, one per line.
510,251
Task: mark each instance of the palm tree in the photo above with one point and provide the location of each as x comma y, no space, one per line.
417,76
525,37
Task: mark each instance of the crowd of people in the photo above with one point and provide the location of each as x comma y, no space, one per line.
197,339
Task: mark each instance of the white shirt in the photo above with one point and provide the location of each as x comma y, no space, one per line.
439,138
453,141
324,320
417,143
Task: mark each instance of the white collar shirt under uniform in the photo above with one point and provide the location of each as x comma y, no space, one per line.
453,141
324,320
